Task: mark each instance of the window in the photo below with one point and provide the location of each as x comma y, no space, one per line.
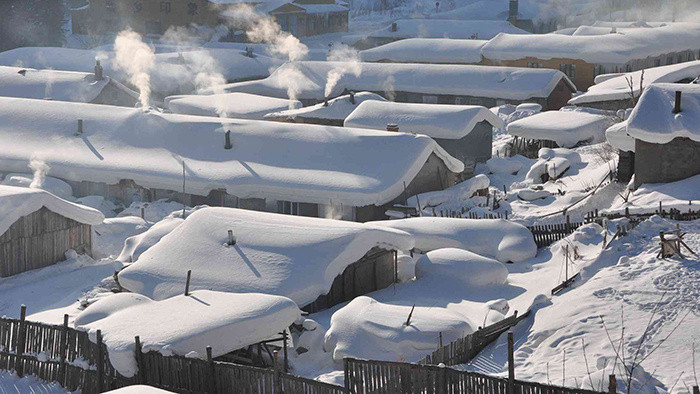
136,7
657,62
165,6
628,68
568,69
428,99
288,207
534,65
192,8
460,101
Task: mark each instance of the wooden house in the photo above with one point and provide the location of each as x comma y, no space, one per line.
38,228
312,17
665,126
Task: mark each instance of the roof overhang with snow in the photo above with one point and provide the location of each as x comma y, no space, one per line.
50,84
654,119
566,128
427,50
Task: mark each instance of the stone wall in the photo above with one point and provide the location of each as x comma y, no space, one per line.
662,163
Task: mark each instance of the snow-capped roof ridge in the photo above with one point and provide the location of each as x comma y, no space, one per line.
338,108
653,119
16,202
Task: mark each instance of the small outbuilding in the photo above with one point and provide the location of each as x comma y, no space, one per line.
38,228
464,131
666,127
331,113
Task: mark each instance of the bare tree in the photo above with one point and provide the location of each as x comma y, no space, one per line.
630,84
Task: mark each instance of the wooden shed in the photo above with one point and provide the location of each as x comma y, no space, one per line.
37,228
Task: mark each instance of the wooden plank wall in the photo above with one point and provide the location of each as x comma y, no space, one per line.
41,239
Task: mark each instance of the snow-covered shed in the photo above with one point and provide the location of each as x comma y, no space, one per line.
184,325
64,86
426,50
464,131
38,228
583,57
130,154
488,86
666,127
562,128
228,105
614,93
315,262
437,28
332,113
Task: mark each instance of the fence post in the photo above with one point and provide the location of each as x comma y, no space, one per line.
696,389
277,381
212,373
511,364
139,360
100,363
284,341
346,373
612,386
64,352
21,340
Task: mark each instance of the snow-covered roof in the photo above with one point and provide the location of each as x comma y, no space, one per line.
338,108
292,256
172,72
16,202
605,49
293,162
309,80
434,120
228,105
617,136
446,28
427,50
49,84
617,88
184,324
566,128
653,119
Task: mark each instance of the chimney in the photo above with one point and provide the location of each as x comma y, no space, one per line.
98,71
249,52
227,144
80,127
677,106
352,97
325,102
513,10
394,27
392,127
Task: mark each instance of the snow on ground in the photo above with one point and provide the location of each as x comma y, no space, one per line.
138,389
681,195
11,383
183,324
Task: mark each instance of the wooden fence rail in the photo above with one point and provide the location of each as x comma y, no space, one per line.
547,234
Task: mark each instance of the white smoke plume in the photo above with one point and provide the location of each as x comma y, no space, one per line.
388,87
348,61
136,58
48,88
40,169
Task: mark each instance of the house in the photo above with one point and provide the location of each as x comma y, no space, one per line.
552,129
49,84
38,228
617,137
415,83
228,105
331,113
427,50
612,92
130,155
311,17
437,28
464,131
317,263
665,125
583,57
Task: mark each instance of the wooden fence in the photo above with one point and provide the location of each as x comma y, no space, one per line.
364,376
464,349
547,234
59,353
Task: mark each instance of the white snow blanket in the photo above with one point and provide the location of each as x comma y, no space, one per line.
272,160
296,257
138,389
135,245
369,329
617,136
338,108
468,267
617,88
308,80
434,120
553,162
426,50
183,324
49,84
459,192
16,202
503,165
566,128
605,49
501,239
681,195
533,194
228,105
444,28
653,119
52,185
